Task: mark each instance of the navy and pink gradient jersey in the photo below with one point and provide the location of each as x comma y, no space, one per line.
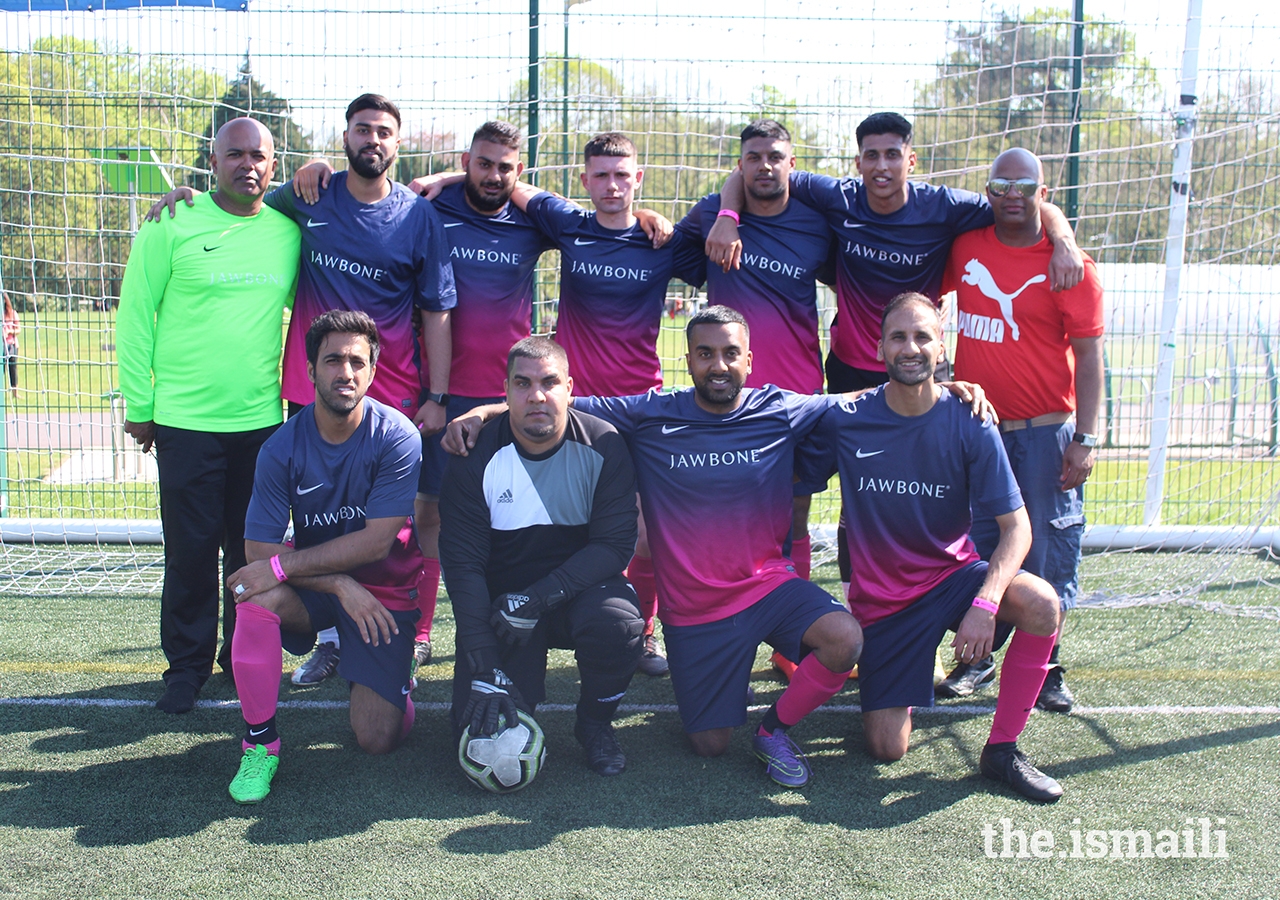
716,492
613,286
388,259
494,258
332,489
909,484
883,256
774,289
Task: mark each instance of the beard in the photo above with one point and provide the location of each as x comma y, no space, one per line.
338,404
486,204
368,166
910,379
718,396
773,192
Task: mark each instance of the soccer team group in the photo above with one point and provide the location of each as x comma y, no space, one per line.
564,496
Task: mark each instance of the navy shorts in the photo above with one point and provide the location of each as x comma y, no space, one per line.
384,669
896,666
1057,516
711,663
434,458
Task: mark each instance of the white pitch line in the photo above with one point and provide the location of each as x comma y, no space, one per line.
629,708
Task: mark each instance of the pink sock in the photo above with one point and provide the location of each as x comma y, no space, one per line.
640,573
1026,662
812,685
258,660
273,748
802,556
410,713
428,594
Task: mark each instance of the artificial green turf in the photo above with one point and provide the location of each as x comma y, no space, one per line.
127,802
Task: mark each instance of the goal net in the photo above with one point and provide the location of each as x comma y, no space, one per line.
102,109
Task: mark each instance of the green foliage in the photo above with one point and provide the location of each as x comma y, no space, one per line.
1007,83
247,97
685,151
60,101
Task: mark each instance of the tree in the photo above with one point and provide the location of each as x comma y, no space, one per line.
65,99
1007,83
247,97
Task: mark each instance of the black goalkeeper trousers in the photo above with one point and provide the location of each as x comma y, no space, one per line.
604,629
206,479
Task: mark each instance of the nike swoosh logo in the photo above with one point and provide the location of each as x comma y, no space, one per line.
672,429
302,491
452,224
253,733
855,224
862,455
211,249
405,690
579,242
312,223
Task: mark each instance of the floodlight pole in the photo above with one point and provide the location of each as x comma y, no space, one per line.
1174,248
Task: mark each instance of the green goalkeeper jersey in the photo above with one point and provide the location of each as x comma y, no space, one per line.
199,329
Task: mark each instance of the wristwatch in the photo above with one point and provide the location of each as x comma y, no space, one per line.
1088,440
443,399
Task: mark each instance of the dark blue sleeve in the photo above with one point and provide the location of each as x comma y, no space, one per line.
821,192
688,245
623,413
399,458
967,210
993,490
804,410
281,199
554,216
815,456
268,517
436,290
826,273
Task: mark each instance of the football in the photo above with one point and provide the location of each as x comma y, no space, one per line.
509,760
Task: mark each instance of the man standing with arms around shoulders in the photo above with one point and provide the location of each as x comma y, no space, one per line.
344,471
227,267
537,523
1039,354
913,462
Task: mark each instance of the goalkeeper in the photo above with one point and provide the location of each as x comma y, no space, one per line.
537,524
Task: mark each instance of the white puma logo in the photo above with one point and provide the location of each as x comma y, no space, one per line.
977,274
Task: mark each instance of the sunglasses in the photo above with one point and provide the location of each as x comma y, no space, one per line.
1027,187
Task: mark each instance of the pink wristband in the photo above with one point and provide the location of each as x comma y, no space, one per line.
984,603
731,214
278,569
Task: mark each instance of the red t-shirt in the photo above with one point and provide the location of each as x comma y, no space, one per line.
1014,336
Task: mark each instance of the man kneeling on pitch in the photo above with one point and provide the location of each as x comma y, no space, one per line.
346,467
913,462
537,524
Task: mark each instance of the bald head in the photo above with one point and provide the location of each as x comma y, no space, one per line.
1020,160
244,161
244,129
